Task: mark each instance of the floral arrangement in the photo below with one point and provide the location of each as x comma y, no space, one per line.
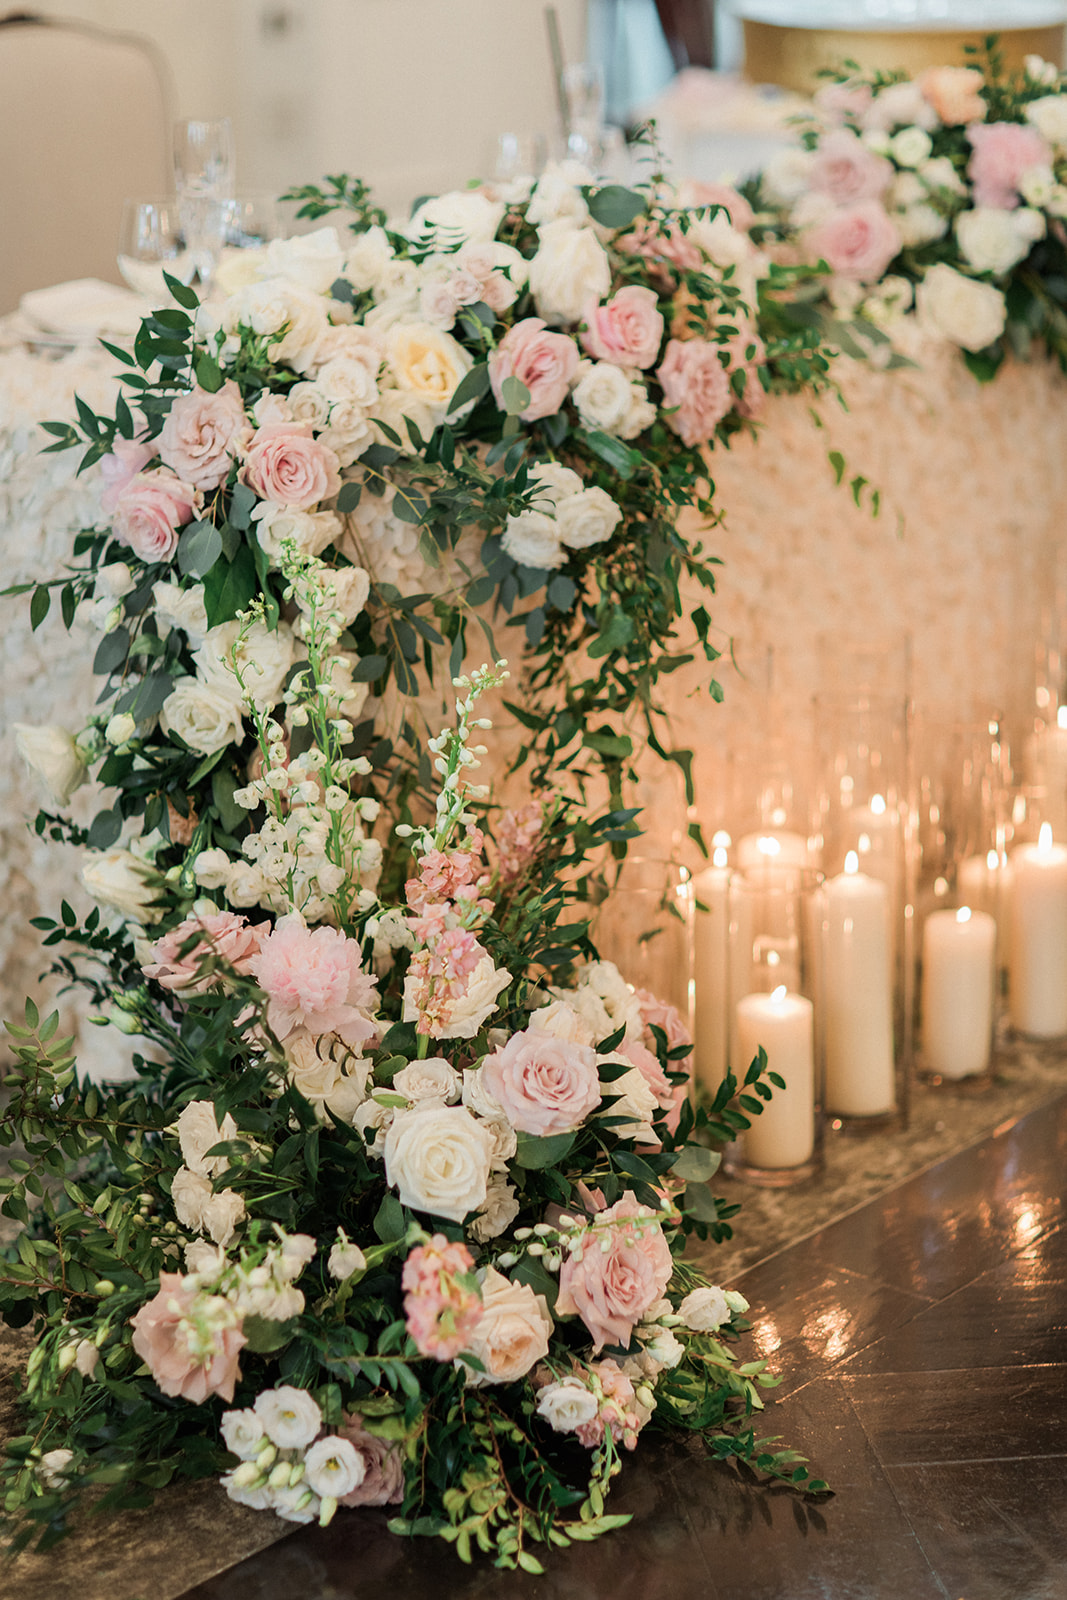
945,194
393,1212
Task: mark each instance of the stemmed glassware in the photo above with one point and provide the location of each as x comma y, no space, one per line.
205,174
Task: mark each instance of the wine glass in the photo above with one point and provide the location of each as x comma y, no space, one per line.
205,162
151,242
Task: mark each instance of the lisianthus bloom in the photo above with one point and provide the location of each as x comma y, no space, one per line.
188,1355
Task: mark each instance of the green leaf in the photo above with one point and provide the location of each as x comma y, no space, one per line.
348,497
39,606
614,452
229,587
695,1164
515,395
105,829
111,652
146,698
368,668
535,1154
471,388
389,1222
223,785
264,1336
615,637
181,291
199,548
613,206
208,372
700,1203
242,504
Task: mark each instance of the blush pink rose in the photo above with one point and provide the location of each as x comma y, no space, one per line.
1002,152
954,93
314,979
199,438
668,244
847,171
223,934
661,1014
751,402
383,1481
120,466
543,1084
612,1289
627,330
164,1348
547,363
837,101
699,193
150,511
286,465
696,389
857,241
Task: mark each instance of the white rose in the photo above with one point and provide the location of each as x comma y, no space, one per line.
476,1096
499,1211
371,264
450,220
512,1333
431,1079
967,313
1037,186
242,1433
311,259
120,728
569,270
563,1022
642,413
918,225
263,658
52,1468
115,578
426,365
1049,116
181,608
310,531
347,379
238,268
190,1192
308,404
899,104
345,1258
270,409
334,1467
663,1348
553,484
532,539
941,174
272,305
557,194
992,240
204,717
437,1159
374,1121
567,1405
330,1079
197,1131
291,1417
51,753
587,518
704,1310
222,1213
349,589
910,146
633,1100
477,1002
118,878
787,175
603,395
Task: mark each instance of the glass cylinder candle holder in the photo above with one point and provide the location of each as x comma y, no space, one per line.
772,988
644,924
860,822
1037,925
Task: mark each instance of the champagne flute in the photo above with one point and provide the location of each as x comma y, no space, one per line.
205,161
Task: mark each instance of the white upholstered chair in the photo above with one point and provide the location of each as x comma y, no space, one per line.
84,122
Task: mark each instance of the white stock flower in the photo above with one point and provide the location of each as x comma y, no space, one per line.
532,539
967,313
587,518
437,1158
201,715
431,1079
117,878
197,1131
992,240
52,754
334,1467
570,269
181,608
242,1433
704,1310
567,1405
1049,116
291,1417
311,259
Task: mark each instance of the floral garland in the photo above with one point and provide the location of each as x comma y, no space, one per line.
946,195
395,1211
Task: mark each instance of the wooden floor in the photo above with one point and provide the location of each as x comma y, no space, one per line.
923,1346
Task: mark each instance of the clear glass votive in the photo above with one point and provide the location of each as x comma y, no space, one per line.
644,924
1037,924
775,969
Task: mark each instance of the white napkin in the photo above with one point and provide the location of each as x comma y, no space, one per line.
85,309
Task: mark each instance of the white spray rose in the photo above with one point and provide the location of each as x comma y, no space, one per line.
51,753
119,879
587,518
1049,116
603,395
570,270
431,1079
272,305
567,1405
310,531
967,313
557,195
532,539
910,146
197,1131
437,1158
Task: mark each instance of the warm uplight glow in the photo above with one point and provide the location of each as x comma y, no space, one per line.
1044,839
778,995
963,914
878,805
769,845
719,857
864,843
852,862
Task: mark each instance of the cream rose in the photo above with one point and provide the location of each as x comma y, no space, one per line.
603,395
197,1131
532,539
263,657
205,718
313,260
437,1159
273,305
310,531
52,754
1049,116
465,216
587,518
431,1079
181,608
426,364
992,240
119,879
570,270
967,313
512,1333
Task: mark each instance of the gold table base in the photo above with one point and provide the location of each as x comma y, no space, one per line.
792,56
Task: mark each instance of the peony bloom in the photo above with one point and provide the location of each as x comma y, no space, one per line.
847,171
441,1312
627,330
200,436
1002,153
383,1478
163,1338
286,465
696,389
546,363
544,1085
313,978
857,241
229,938
512,1332
611,1289
149,512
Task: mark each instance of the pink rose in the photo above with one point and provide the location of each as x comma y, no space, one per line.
612,1289
627,330
1003,151
164,1348
314,978
544,1085
127,458
286,465
954,93
545,362
222,934
200,435
149,512
661,1014
857,241
699,193
383,1481
696,387
837,101
749,404
668,244
847,171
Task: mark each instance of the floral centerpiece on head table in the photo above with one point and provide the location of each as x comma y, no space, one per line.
394,1212
945,194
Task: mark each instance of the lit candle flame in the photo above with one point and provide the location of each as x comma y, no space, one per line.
992,860
778,995
721,839
864,842
1061,717
769,845
878,805
719,857
852,862
1044,839
963,914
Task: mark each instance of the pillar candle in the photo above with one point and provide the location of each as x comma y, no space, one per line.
777,848
985,885
958,988
713,1010
1037,938
858,993
784,1135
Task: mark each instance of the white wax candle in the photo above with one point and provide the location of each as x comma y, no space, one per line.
985,885
1037,938
776,847
784,1135
858,994
1048,763
712,889
958,987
